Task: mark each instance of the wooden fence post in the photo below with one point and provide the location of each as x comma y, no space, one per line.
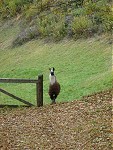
39,91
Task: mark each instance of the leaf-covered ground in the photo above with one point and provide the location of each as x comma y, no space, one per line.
77,125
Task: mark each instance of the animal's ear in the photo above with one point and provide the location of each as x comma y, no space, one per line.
49,69
53,69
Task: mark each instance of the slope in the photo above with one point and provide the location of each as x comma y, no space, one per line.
82,67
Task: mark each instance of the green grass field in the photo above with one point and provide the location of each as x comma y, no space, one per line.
82,67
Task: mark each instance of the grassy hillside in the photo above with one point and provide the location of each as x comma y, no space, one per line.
82,67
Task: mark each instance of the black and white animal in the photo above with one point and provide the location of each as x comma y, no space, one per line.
54,87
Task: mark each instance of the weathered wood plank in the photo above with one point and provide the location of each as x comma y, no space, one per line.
39,91
6,80
15,97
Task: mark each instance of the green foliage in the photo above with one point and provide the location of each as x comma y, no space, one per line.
31,12
49,26
59,30
52,18
100,13
10,8
78,12
81,26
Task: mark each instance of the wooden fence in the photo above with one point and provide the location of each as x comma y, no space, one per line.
39,90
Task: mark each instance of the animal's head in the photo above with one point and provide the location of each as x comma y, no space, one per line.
52,71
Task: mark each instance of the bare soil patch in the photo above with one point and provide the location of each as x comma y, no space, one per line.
77,125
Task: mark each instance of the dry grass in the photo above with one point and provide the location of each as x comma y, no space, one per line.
77,125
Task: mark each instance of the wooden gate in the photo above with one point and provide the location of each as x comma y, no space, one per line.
39,90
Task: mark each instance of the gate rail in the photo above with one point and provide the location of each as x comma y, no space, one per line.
39,90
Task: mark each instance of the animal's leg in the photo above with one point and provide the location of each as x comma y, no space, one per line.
54,98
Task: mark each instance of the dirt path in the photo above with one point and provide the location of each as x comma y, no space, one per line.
78,125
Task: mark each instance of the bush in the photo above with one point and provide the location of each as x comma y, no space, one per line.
10,8
30,12
59,30
50,26
81,26
101,14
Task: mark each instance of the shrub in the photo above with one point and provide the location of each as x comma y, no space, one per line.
30,12
81,26
59,30
101,14
10,8
44,23
78,12
50,26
